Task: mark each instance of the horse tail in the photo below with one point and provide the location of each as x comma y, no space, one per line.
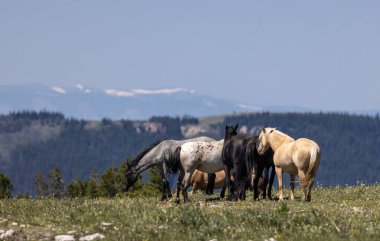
250,155
315,156
174,160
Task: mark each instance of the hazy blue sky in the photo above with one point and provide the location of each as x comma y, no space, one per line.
316,54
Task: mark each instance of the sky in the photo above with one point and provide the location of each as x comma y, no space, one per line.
323,55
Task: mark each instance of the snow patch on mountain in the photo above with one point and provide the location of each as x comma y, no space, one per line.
161,91
118,93
83,88
59,90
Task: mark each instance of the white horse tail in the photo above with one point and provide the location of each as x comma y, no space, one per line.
315,157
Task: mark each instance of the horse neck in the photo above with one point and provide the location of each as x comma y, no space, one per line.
278,138
148,160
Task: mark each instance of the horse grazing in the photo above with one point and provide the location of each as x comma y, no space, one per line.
204,156
297,157
162,154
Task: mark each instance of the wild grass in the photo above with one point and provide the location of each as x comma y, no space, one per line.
340,213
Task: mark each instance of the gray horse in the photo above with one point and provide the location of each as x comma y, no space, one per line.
162,154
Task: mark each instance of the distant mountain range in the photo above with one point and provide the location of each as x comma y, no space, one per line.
84,102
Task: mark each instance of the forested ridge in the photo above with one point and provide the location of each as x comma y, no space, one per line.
37,142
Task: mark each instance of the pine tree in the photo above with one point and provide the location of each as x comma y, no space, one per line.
6,187
76,188
57,187
108,185
92,186
42,188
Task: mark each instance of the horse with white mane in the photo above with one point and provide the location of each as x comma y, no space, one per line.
162,154
297,157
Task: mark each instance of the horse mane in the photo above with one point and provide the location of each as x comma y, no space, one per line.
142,154
283,134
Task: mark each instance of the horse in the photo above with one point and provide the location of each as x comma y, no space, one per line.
161,154
262,163
204,156
200,181
297,157
239,153
233,157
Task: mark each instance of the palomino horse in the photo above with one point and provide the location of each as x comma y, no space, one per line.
297,157
204,156
162,154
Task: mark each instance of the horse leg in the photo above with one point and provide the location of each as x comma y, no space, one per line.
163,176
256,181
179,184
292,180
186,182
226,181
194,188
303,184
210,183
264,183
279,175
271,180
167,179
265,177
308,192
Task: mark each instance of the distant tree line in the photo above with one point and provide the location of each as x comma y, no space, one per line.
84,149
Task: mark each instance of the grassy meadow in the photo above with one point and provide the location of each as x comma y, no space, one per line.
341,213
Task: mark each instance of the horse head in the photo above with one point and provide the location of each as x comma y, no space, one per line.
131,177
263,144
230,131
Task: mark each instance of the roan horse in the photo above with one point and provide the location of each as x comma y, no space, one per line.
162,154
204,156
297,157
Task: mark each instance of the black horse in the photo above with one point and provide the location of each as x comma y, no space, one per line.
260,169
234,157
240,154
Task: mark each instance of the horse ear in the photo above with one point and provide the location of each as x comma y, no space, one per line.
272,130
236,126
226,127
263,130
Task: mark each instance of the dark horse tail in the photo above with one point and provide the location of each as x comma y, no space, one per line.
174,160
250,155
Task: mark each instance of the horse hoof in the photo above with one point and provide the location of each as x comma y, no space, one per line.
177,200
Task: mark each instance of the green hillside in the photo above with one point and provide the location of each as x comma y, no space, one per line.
32,143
